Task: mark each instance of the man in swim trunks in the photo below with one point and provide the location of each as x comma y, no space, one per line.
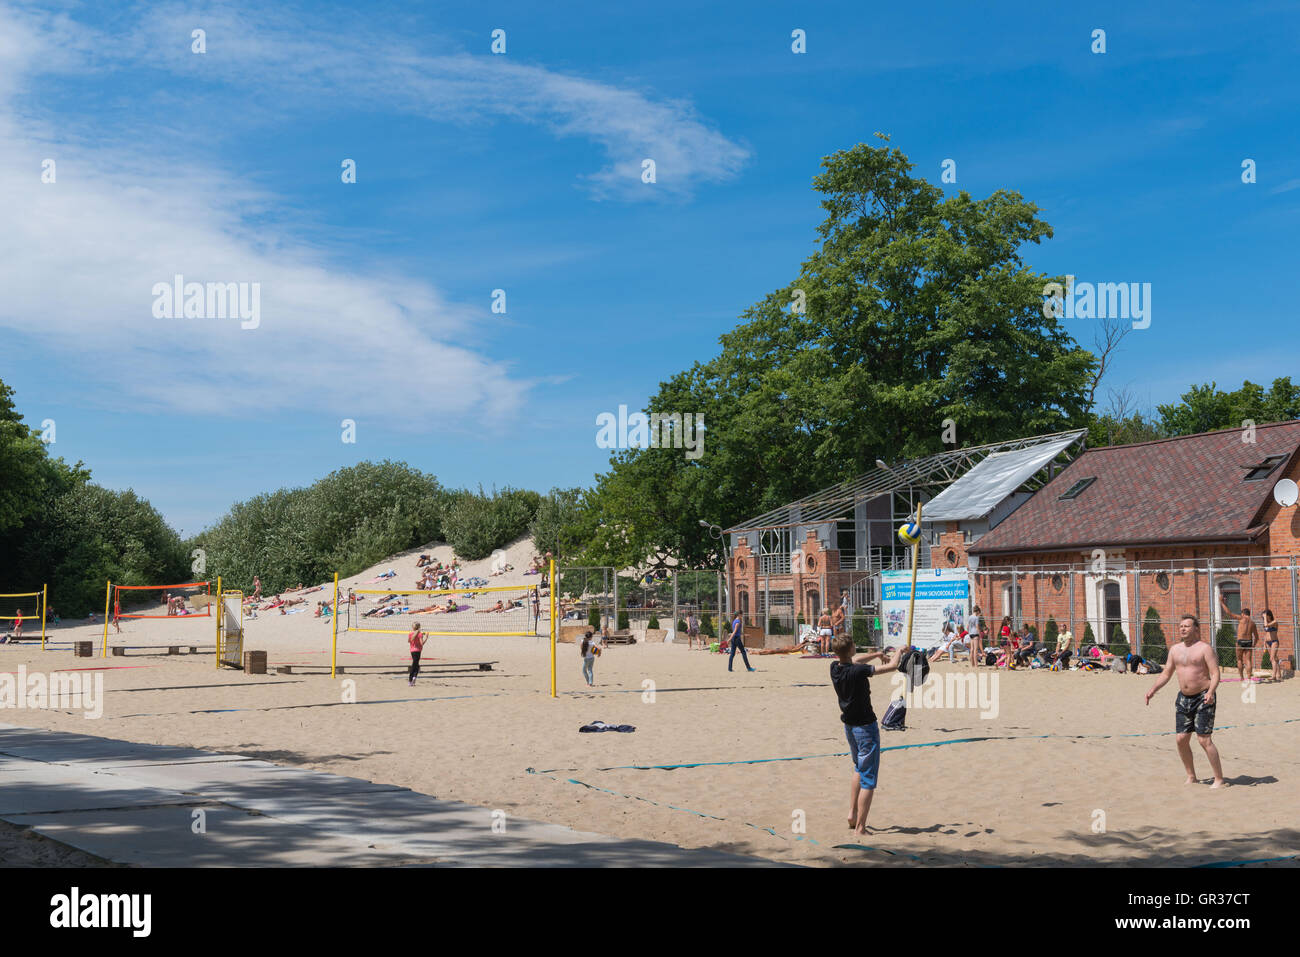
1197,667
1247,638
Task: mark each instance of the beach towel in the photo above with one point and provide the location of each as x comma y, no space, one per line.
597,726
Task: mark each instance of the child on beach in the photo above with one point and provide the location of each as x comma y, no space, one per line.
416,640
849,674
589,651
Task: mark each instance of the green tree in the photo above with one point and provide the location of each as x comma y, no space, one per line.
917,307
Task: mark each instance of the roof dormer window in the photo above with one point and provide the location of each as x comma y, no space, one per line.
1263,469
1075,490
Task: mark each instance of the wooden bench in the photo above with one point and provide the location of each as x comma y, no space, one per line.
119,651
619,638
391,669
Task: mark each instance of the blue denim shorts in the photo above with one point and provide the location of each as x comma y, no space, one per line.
864,750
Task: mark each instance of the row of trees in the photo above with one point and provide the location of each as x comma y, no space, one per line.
58,528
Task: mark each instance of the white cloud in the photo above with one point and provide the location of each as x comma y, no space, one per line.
78,258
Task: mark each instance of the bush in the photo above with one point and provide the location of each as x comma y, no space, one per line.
861,630
593,617
681,625
622,619
653,623
1119,641
706,626
1153,635
776,626
349,520
1088,637
475,524
1224,640
1050,631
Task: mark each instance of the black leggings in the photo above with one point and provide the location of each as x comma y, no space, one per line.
415,665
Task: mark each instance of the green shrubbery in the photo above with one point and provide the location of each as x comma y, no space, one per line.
475,524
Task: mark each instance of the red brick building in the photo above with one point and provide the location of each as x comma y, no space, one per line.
1136,536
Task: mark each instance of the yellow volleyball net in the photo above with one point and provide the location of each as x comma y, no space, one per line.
22,615
507,611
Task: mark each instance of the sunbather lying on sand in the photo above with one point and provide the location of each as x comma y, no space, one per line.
498,607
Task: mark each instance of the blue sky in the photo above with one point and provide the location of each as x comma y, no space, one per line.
520,172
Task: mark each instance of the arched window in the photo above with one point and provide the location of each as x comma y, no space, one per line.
1112,611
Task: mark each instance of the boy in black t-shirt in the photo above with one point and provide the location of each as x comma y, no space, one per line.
849,677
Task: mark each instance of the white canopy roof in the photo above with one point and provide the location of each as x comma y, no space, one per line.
990,481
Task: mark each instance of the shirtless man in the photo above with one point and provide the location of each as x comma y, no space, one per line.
1247,638
837,619
1198,678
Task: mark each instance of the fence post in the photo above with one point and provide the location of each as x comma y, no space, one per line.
1137,611
1295,626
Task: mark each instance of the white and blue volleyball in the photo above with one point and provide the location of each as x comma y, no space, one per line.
909,533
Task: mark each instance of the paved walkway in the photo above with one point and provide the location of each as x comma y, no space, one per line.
160,806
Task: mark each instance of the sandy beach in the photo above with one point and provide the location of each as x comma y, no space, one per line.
1071,770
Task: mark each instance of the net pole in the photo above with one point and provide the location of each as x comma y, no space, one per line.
334,648
916,556
221,611
554,626
108,591
45,604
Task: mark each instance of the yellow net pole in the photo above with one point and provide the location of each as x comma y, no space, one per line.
916,557
554,626
221,610
45,604
108,591
334,650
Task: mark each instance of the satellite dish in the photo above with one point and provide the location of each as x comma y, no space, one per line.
1286,492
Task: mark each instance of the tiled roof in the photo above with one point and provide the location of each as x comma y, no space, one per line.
1181,490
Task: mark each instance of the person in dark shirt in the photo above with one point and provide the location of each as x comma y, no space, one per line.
849,674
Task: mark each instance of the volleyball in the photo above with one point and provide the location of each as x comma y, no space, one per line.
909,533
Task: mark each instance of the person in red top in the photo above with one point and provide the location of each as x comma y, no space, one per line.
18,625
416,638
117,614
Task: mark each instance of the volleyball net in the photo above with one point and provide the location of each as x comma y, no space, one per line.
22,615
491,612
161,601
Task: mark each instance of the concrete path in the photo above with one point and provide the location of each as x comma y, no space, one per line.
159,806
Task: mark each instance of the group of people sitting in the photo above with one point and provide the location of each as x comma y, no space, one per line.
1022,649
437,576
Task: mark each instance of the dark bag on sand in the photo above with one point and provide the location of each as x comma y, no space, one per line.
895,718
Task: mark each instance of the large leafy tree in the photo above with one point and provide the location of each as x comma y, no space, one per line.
916,308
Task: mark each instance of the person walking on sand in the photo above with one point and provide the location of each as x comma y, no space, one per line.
849,678
416,638
589,651
117,614
1197,667
257,588
1247,639
737,640
692,630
